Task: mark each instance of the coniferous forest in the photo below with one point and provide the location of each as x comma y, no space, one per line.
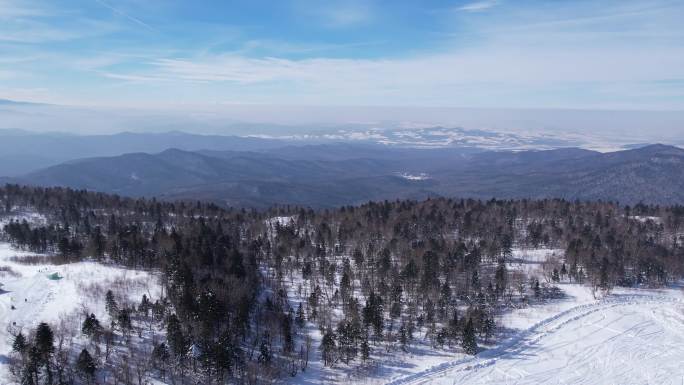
253,296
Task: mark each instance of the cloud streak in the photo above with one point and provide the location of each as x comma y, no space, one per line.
126,15
473,78
12,9
478,6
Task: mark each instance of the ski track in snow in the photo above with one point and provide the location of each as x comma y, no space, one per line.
623,339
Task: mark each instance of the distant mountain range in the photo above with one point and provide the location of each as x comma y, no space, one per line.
334,174
25,151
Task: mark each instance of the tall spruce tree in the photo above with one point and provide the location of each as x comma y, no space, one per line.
19,345
469,342
91,326
86,367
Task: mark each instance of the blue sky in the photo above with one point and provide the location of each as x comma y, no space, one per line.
490,53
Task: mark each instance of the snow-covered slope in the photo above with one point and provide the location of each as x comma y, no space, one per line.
629,337
28,296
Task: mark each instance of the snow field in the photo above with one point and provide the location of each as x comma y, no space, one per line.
630,337
81,289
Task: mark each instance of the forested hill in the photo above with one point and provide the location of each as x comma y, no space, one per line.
251,295
339,174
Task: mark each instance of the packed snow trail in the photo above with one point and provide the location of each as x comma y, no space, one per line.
624,339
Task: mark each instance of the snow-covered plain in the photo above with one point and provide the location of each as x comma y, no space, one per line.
37,298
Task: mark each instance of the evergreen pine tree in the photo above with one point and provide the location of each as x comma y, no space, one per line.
145,305
573,271
537,289
44,344
265,350
365,347
175,337
123,318
469,343
475,280
604,282
328,347
29,370
454,326
286,326
403,337
346,338
300,319
501,278
580,275
85,366
44,339
110,305
160,353
19,345
373,313
91,326
488,327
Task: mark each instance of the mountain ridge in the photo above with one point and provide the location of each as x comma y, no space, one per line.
263,178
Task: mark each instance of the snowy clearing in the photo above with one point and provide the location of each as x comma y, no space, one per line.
629,337
633,336
80,286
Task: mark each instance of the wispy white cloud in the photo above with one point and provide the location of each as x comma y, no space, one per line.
575,54
467,78
39,95
11,9
26,31
29,22
281,47
478,6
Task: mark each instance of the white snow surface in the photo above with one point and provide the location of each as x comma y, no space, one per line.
37,298
531,261
281,221
641,218
632,336
416,177
629,337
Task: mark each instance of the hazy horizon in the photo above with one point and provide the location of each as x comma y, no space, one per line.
592,126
